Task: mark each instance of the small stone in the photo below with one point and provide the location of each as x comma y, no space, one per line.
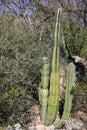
17,126
31,128
9,127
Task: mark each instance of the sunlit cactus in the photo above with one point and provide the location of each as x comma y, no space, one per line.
68,95
53,99
49,89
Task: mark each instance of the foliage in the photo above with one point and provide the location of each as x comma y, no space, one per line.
75,37
22,48
8,101
80,95
21,52
74,12
74,23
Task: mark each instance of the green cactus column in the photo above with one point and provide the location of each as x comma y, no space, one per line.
68,96
43,89
53,99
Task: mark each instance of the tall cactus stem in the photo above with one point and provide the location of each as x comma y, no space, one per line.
68,96
53,99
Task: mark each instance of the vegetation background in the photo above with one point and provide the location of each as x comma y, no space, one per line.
26,35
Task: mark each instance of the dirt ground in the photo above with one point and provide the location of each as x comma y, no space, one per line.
77,121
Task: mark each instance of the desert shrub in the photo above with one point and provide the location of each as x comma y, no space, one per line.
21,52
8,101
80,94
75,37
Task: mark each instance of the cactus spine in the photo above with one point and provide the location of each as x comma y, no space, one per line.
43,89
53,99
68,96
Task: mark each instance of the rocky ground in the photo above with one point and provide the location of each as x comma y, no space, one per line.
78,117
77,121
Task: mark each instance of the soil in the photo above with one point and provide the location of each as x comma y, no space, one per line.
77,121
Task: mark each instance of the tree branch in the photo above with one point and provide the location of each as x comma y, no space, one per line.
16,3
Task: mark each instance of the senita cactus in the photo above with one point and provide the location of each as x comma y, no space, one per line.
68,96
43,89
49,86
53,99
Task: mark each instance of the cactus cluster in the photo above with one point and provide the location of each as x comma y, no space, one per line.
49,87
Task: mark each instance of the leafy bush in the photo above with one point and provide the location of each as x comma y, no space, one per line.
8,101
75,37
80,95
21,52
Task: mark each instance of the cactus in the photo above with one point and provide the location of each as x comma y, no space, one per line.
49,86
68,96
53,98
43,89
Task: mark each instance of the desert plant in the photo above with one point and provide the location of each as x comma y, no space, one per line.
53,97
43,88
68,95
20,51
8,102
50,101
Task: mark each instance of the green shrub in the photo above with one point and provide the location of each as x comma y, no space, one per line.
75,37
8,101
21,52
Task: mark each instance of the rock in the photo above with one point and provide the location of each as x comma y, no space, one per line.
9,127
80,60
17,126
82,115
74,124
